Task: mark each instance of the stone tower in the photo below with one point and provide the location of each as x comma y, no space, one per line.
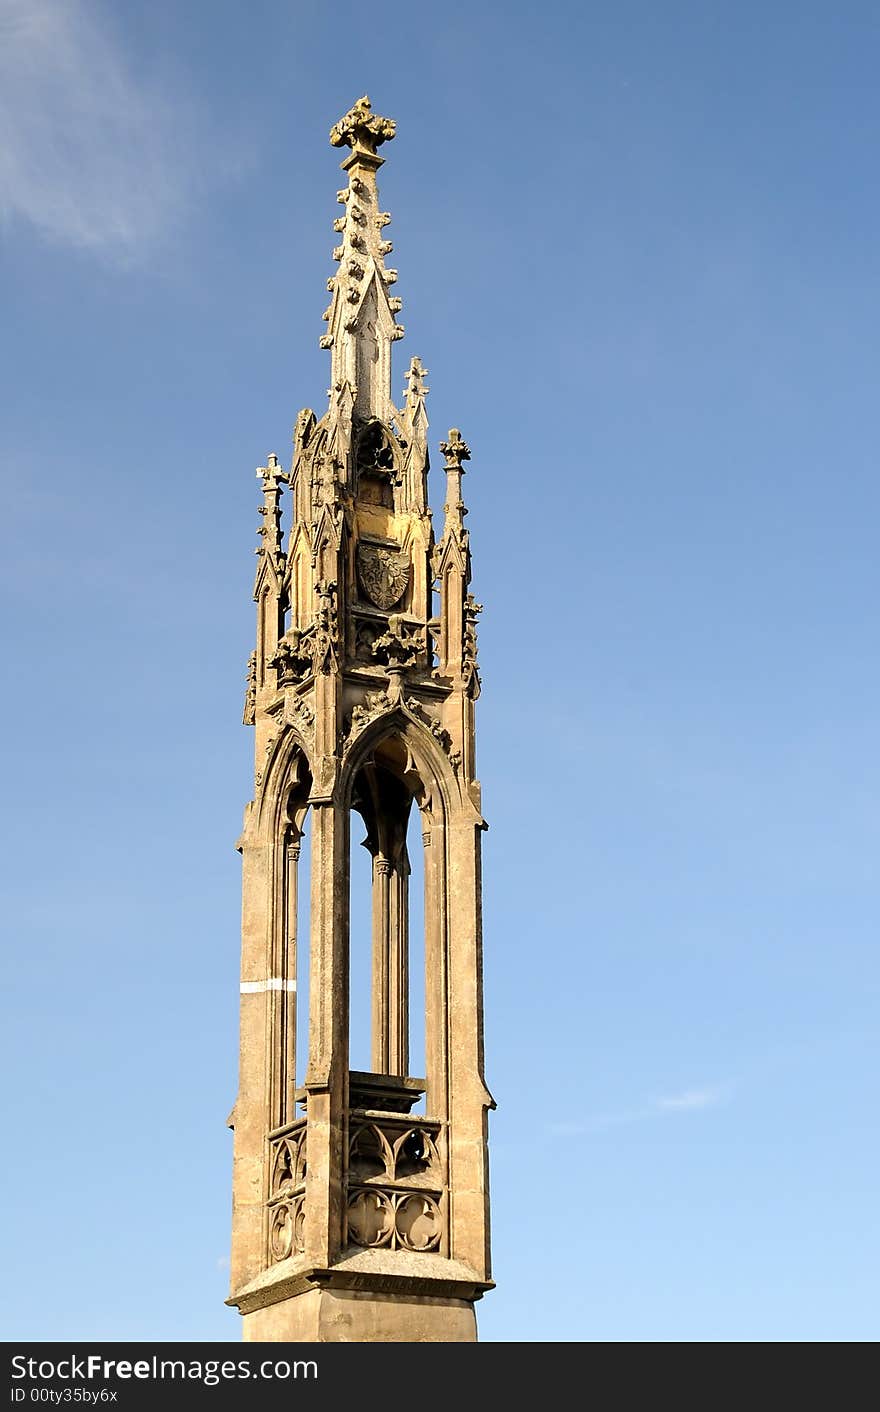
356,1218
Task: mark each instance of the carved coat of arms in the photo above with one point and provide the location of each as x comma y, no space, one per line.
383,574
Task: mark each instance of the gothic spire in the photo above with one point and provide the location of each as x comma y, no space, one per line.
361,315
361,693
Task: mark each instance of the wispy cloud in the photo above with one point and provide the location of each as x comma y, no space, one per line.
691,1098
688,1101
93,153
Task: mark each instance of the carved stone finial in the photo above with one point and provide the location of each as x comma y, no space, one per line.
271,474
361,129
415,373
401,645
455,450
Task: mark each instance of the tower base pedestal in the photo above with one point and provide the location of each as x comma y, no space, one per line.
361,1316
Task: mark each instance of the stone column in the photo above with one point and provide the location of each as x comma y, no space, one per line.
390,980
380,1049
436,993
288,977
251,1115
436,977
327,1074
468,1095
398,969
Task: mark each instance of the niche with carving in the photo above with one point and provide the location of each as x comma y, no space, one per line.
374,461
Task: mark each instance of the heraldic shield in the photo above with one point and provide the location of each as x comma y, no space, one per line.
383,574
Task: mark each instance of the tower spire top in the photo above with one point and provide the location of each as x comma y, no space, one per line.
361,316
362,130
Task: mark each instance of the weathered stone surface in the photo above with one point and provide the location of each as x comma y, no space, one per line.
347,1316
354,1218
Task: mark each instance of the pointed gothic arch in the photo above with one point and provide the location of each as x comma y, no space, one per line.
394,768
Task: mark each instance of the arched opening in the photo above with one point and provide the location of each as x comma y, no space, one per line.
303,969
387,912
416,849
384,800
374,465
360,946
289,982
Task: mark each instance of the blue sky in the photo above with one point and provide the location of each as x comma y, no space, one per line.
638,253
